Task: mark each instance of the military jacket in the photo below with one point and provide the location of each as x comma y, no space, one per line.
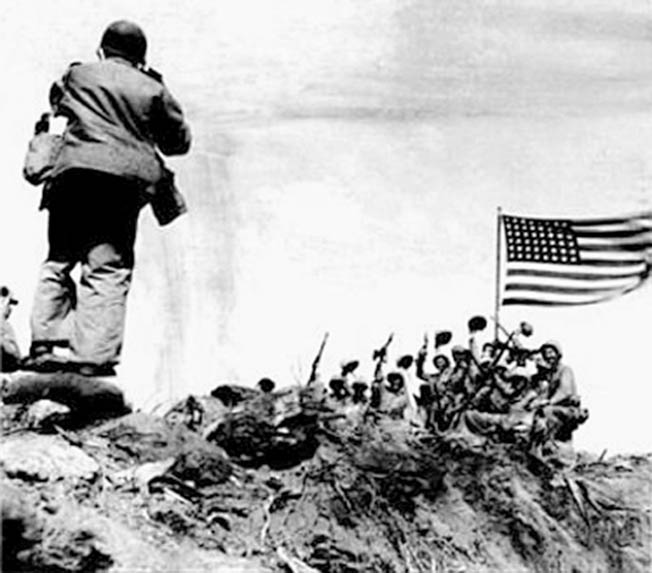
118,117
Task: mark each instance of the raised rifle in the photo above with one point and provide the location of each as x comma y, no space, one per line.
380,356
315,363
424,346
490,372
524,328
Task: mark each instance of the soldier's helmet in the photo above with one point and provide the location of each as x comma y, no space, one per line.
554,345
266,385
125,39
5,293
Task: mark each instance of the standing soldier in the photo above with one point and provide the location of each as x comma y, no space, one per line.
119,115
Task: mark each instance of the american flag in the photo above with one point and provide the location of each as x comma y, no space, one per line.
560,262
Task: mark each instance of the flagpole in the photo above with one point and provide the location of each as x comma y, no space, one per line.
499,218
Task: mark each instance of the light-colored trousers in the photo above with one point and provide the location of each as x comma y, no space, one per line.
92,223
96,328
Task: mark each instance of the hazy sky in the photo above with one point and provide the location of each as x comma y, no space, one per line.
348,160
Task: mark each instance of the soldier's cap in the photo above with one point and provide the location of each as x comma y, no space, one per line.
348,366
458,349
477,323
5,292
443,337
554,345
336,383
526,328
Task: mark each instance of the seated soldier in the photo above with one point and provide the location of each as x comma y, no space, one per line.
538,384
428,407
9,351
442,371
463,380
359,396
488,354
393,397
356,408
492,408
499,387
519,363
339,394
432,408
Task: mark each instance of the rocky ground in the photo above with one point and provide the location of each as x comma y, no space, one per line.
242,482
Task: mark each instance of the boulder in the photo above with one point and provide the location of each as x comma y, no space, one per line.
41,458
88,398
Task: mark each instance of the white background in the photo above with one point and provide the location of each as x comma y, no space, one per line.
348,160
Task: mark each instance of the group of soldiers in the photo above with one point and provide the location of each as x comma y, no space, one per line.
501,389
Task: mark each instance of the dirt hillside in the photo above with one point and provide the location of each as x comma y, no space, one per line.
278,484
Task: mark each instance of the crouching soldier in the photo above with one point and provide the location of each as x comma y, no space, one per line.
560,406
357,408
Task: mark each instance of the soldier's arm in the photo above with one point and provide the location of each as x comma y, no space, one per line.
170,130
58,91
525,402
420,362
474,349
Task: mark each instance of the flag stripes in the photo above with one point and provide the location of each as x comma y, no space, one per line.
561,262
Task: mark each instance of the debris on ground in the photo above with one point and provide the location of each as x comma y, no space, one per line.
248,481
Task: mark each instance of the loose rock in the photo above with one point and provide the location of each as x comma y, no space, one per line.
46,458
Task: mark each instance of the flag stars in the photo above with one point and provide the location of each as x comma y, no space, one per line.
540,240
